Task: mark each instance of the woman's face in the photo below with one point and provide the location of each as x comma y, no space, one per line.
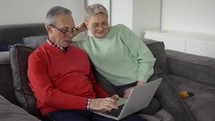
98,25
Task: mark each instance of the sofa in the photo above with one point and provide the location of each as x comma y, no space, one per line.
21,34
180,72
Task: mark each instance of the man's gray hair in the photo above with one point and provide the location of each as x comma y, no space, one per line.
54,12
94,9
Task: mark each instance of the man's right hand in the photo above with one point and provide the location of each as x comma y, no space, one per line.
99,104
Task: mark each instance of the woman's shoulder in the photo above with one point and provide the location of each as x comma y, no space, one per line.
121,26
82,42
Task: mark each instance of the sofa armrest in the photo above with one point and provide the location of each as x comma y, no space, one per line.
11,112
4,57
194,67
6,86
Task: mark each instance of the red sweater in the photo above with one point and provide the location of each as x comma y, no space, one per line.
61,80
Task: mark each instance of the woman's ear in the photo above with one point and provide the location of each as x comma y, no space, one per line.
86,23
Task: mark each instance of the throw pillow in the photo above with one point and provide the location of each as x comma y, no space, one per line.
158,51
34,40
19,64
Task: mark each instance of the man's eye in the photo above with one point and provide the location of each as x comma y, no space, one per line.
95,25
64,30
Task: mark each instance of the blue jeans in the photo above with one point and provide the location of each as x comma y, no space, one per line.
83,115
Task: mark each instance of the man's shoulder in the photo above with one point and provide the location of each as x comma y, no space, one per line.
38,52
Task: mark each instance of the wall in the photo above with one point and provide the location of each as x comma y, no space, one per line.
146,15
122,12
138,15
187,26
34,11
189,15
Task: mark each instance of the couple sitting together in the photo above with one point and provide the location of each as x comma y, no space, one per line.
60,74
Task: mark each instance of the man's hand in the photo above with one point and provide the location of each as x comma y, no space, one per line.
99,104
115,97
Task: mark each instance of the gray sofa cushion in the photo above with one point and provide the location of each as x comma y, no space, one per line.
198,68
3,47
202,103
19,63
171,102
12,34
4,57
158,50
34,40
6,86
11,112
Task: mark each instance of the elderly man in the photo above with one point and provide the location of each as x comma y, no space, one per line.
61,78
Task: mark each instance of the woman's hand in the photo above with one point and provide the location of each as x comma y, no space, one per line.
82,27
99,104
140,83
128,91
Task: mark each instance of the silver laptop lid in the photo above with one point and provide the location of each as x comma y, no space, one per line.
140,98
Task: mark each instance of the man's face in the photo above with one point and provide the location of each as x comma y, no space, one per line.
61,32
98,25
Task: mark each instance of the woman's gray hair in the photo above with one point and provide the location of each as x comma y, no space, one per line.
94,9
54,12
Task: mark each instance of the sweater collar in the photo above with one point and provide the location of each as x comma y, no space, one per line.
63,49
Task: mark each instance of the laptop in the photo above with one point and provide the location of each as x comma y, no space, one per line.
139,98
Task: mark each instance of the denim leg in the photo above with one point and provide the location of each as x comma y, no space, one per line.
133,117
70,115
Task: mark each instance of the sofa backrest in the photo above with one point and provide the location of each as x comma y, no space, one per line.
158,50
19,63
194,67
12,34
9,35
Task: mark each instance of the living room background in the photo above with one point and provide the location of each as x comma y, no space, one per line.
192,15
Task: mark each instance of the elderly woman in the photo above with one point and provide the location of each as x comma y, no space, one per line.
122,59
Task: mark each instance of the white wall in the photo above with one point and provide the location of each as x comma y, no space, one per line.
34,11
189,15
146,15
138,15
122,12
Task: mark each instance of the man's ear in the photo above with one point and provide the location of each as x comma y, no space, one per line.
49,29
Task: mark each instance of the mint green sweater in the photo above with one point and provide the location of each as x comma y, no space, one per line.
120,56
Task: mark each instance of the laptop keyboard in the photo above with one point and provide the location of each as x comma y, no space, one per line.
115,112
